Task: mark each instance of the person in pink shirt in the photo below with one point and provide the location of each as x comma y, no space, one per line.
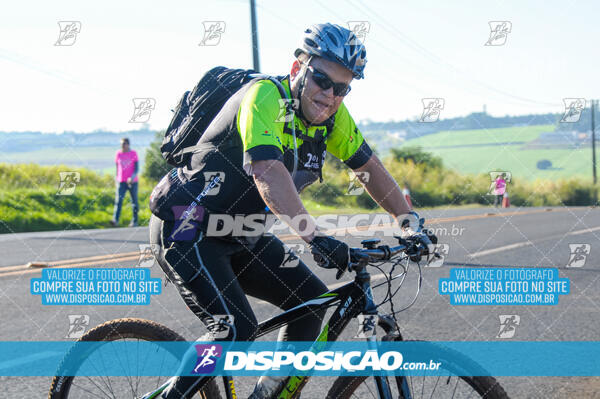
127,180
499,189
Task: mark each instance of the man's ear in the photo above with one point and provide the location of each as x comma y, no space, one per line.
296,68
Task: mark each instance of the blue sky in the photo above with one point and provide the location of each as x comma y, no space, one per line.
137,49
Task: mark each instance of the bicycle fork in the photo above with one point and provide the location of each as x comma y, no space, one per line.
381,382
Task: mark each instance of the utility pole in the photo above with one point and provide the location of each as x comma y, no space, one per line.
254,35
594,103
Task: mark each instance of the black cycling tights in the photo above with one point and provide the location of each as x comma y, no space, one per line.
213,276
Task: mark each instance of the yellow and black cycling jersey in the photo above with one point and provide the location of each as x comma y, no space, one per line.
250,127
267,135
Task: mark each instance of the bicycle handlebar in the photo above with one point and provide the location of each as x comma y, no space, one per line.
413,247
381,253
360,257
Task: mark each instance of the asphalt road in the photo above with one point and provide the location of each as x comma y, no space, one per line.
533,237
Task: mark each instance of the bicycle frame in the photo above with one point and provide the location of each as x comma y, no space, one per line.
354,298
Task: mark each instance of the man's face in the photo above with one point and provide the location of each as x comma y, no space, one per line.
319,104
124,146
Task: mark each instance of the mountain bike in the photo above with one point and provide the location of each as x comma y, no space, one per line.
462,377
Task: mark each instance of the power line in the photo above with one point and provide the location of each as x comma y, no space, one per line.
440,62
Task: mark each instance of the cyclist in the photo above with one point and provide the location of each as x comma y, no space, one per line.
247,158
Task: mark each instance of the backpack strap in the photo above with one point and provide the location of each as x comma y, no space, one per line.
289,109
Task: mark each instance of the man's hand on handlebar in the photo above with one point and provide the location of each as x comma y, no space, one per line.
417,242
412,230
330,253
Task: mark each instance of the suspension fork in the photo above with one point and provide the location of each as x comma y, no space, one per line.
389,326
381,382
363,278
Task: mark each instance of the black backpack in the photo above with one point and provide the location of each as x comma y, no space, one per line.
196,109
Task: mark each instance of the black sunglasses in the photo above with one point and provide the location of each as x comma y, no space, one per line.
325,82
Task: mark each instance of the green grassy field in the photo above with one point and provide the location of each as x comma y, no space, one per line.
30,199
482,136
485,154
514,158
99,159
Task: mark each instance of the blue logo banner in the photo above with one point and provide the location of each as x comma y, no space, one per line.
144,358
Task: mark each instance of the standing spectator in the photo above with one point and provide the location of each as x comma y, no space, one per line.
127,180
499,189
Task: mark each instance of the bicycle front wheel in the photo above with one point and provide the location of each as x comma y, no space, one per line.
131,386
454,385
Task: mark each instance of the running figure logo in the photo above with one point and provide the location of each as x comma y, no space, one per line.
188,220
355,186
212,32
366,325
499,31
442,250
508,325
77,324
573,109
360,30
68,182
142,109
290,258
431,109
147,258
213,181
579,254
207,358
287,107
506,176
68,33
219,325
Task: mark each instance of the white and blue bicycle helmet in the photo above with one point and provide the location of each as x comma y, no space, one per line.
337,44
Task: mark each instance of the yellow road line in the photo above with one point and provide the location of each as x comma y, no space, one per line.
71,261
114,259
430,221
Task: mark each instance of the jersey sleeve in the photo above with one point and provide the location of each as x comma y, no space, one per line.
257,123
135,156
346,142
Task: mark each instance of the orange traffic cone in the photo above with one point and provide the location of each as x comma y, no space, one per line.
505,200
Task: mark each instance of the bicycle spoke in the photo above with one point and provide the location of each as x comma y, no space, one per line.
107,382
109,385
455,386
158,383
371,392
435,386
97,386
127,377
